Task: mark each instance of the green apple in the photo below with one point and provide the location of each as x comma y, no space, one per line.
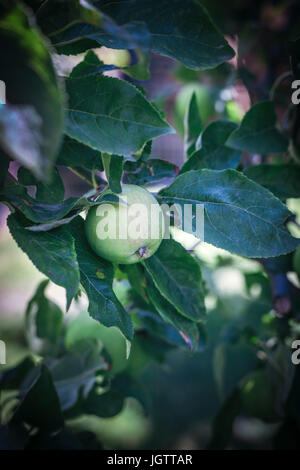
128,231
84,327
138,358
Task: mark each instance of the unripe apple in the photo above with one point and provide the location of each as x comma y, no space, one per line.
84,327
128,231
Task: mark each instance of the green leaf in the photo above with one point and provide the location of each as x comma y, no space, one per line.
192,125
282,180
32,121
219,365
55,15
149,172
74,154
111,115
104,405
13,436
91,65
51,225
13,377
223,422
76,373
139,70
187,329
4,164
157,337
293,48
39,404
50,193
103,304
182,30
34,210
239,215
177,276
43,213
113,166
136,277
46,315
257,132
214,152
53,253
128,386
72,25
21,136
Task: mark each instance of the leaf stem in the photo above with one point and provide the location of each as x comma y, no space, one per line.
277,82
92,179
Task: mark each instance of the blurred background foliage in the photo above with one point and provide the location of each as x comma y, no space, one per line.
183,392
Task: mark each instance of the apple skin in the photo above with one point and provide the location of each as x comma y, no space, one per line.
130,250
84,327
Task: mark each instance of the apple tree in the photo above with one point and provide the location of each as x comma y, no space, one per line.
241,166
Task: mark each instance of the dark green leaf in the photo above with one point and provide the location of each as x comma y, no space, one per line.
157,337
50,193
187,329
13,377
282,180
91,65
39,404
177,276
192,125
62,440
78,25
43,213
32,122
51,225
150,171
136,277
13,436
4,164
181,29
223,422
293,47
113,165
48,317
239,215
21,136
139,70
130,387
292,402
74,154
103,304
76,373
257,132
53,253
214,152
111,115
104,405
